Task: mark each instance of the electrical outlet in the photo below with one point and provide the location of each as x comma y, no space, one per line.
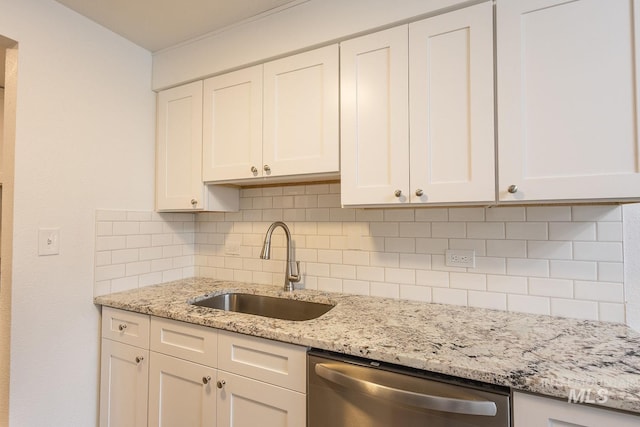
460,258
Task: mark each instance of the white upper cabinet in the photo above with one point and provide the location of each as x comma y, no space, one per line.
567,100
417,112
301,118
179,184
451,103
179,148
274,121
374,91
232,147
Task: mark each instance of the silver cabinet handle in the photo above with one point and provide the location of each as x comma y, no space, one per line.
267,168
397,193
406,397
206,380
194,202
139,359
512,189
221,383
122,327
254,169
419,192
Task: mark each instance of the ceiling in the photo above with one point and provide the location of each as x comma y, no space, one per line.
158,24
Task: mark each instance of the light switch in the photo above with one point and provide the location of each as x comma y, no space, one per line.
48,241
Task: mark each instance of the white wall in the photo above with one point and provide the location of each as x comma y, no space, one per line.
85,138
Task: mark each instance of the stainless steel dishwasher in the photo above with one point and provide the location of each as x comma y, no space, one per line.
345,391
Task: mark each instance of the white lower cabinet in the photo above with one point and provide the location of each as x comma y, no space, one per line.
181,393
124,370
535,411
244,402
180,374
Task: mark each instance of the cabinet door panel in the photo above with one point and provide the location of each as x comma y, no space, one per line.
179,149
374,112
244,402
301,116
534,411
567,100
232,125
177,393
451,107
123,385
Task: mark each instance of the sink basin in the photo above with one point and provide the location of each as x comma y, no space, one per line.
260,305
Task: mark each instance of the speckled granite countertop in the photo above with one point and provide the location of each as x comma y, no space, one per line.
541,354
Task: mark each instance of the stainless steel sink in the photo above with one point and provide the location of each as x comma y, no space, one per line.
260,305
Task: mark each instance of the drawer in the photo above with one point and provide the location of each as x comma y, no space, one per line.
273,362
125,326
184,340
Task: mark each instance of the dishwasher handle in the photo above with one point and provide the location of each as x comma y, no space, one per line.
406,397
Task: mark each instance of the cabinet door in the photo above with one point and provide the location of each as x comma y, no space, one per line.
374,118
243,402
535,411
451,107
301,116
179,149
232,126
567,100
124,375
181,393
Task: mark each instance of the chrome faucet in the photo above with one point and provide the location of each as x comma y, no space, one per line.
289,277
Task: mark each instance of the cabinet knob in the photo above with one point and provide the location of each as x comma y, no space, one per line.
221,383
419,192
206,380
397,193
512,189
122,327
267,168
194,202
254,170
139,359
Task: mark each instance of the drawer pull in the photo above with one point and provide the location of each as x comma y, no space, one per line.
206,380
122,327
139,359
221,383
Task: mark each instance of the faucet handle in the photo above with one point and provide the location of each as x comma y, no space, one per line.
295,277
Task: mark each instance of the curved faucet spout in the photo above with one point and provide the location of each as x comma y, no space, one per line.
289,277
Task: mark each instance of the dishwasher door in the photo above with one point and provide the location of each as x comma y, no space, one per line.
352,392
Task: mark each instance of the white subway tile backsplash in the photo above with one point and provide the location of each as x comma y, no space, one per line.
549,250
507,284
448,229
576,231
561,260
529,304
527,267
549,213
506,214
476,282
551,287
598,251
574,308
527,230
449,296
507,248
485,230
597,213
466,214
579,270
492,300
